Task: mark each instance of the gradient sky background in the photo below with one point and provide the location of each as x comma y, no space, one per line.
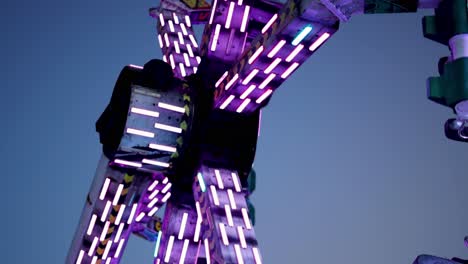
352,162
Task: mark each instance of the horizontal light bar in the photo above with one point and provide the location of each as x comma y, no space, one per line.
172,107
319,41
136,66
255,55
272,65
232,81
168,128
162,147
214,42
156,163
221,79
229,15
269,23
144,112
243,106
264,96
277,47
267,81
248,91
227,102
294,53
245,18
128,163
250,76
289,70
140,132
302,35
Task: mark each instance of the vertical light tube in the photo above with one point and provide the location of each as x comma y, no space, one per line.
245,18
229,15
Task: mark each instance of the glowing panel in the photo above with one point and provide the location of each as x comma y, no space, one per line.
161,19
153,202
106,251
119,232
176,46
215,37
267,81
229,215
227,102
319,41
190,51
221,79
156,163
264,96
214,194
132,214
240,260
128,163
256,255
153,211
231,199
140,216
194,42
119,248
169,249
235,179
229,15
136,66
181,38
93,247
219,180
162,147
104,231
201,181
213,10
120,214
166,38
140,133
245,18
232,81
166,188
182,69
172,107
176,18
269,23
158,242
168,128
153,185
245,215
186,59
248,91
171,25
223,234
91,224
277,47
187,21
117,194
166,197
302,35
153,194
289,70
171,59
184,29
161,44
184,251
104,189
255,55
272,65
250,76
293,53
182,226
106,211
144,112
243,106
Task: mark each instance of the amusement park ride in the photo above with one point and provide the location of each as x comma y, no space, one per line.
181,132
